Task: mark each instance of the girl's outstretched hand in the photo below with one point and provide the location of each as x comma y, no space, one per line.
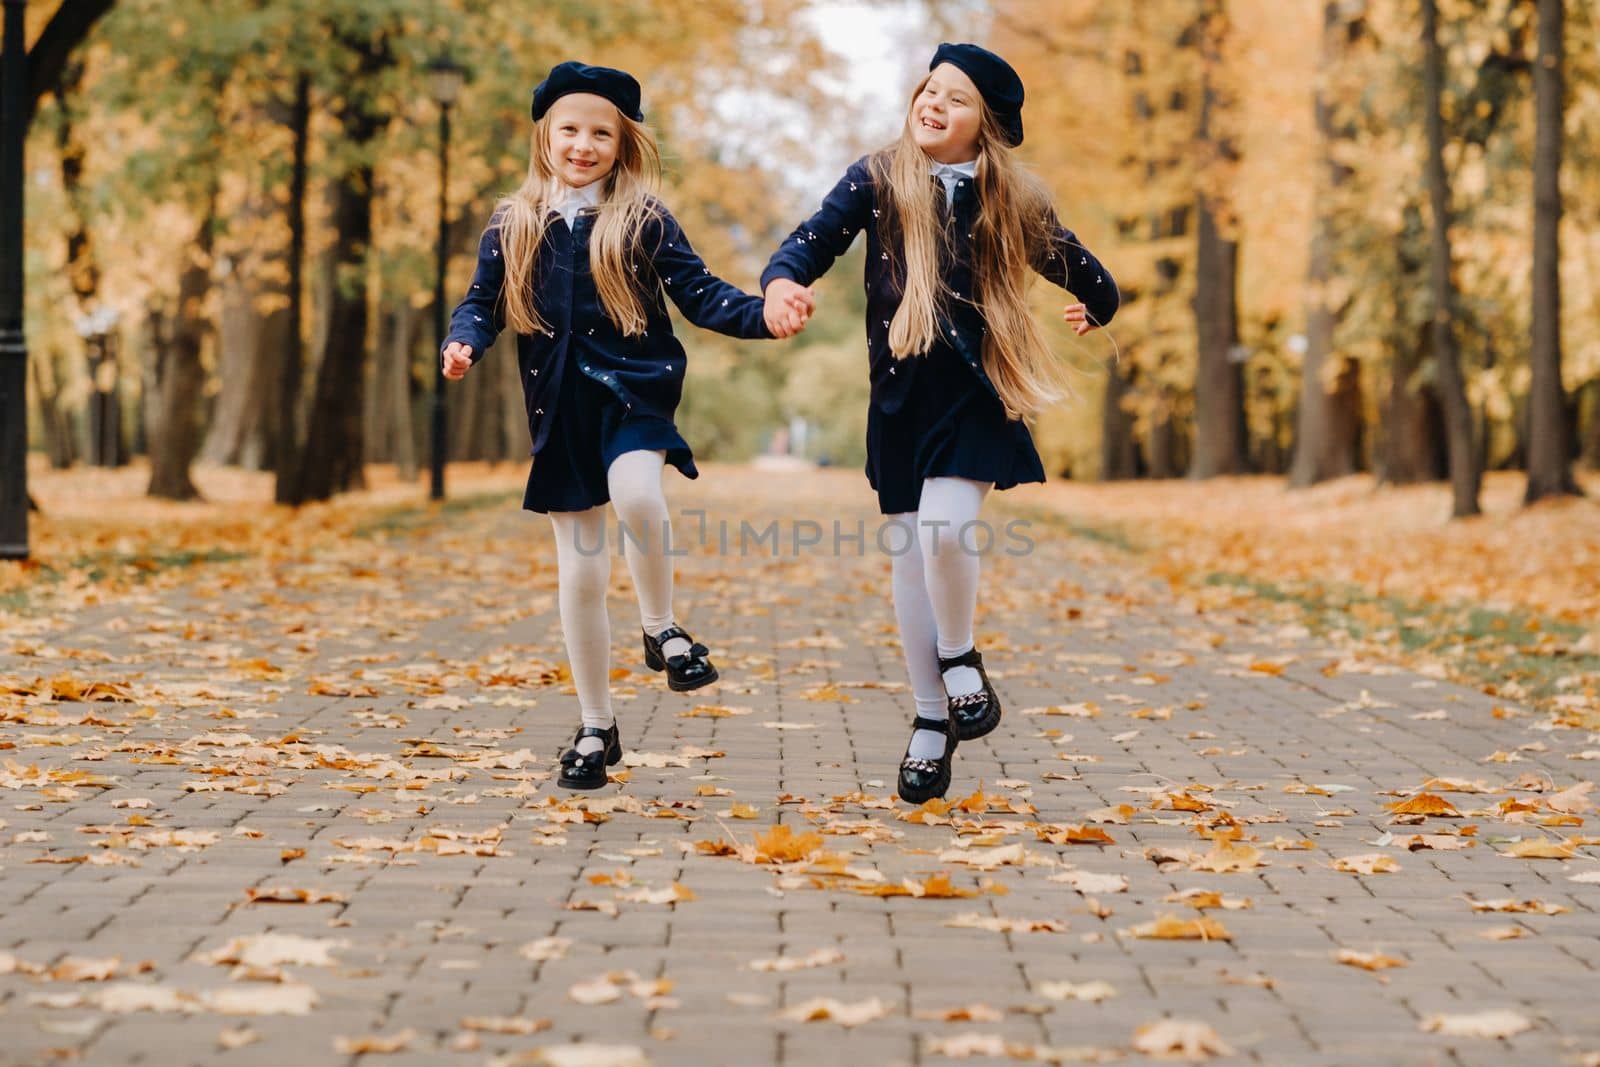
788,305
1077,317
457,360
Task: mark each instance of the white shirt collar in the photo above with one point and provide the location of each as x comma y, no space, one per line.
569,200
951,174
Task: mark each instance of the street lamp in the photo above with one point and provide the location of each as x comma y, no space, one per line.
447,80
13,342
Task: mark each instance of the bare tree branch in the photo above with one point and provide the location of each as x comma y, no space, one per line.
48,58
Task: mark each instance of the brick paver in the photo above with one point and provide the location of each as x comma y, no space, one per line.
445,640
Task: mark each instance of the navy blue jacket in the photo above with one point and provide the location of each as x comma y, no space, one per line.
645,372
854,205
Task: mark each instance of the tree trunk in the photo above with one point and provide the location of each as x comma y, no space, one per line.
1413,450
1119,460
332,459
399,400
1549,448
291,369
1591,444
375,421
241,432
1328,421
1466,472
388,423
254,330
1221,440
488,439
1161,443
463,429
1221,444
59,442
180,375
93,325
157,332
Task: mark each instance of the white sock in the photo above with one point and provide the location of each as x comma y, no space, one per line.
583,574
951,565
959,681
918,637
635,483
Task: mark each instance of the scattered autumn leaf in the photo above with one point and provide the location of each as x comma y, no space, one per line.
827,1009
1425,804
1094,991
1187,1039
974,921
822,957
373,1043
1500,1023
1367,863
1368,961
1541,849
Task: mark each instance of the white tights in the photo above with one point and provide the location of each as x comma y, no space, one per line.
936,595
583,558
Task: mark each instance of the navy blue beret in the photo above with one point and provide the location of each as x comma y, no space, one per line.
617,86
997,83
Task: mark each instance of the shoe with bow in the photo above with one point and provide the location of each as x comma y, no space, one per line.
587,770
687,671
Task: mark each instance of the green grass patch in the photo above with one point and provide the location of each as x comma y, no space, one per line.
141,565
1483,644
102,566
1109,535
410,518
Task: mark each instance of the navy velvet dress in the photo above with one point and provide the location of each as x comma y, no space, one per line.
938,414
591,392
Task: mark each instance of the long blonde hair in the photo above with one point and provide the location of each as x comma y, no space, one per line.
627,203
1011,233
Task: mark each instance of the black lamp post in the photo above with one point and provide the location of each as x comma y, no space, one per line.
447,80
13,342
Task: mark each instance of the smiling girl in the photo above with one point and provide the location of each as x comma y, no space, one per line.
955,227
576,261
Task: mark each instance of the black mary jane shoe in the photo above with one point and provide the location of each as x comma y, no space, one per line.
923,779
587,770
691,670
974,714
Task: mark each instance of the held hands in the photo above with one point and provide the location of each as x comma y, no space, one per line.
457,360
789,305
1077,317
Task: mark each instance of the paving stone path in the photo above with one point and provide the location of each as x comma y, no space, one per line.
375,721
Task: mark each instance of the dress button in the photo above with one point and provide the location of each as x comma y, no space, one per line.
538,411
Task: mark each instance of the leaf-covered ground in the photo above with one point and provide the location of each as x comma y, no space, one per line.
1509,601
278,787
